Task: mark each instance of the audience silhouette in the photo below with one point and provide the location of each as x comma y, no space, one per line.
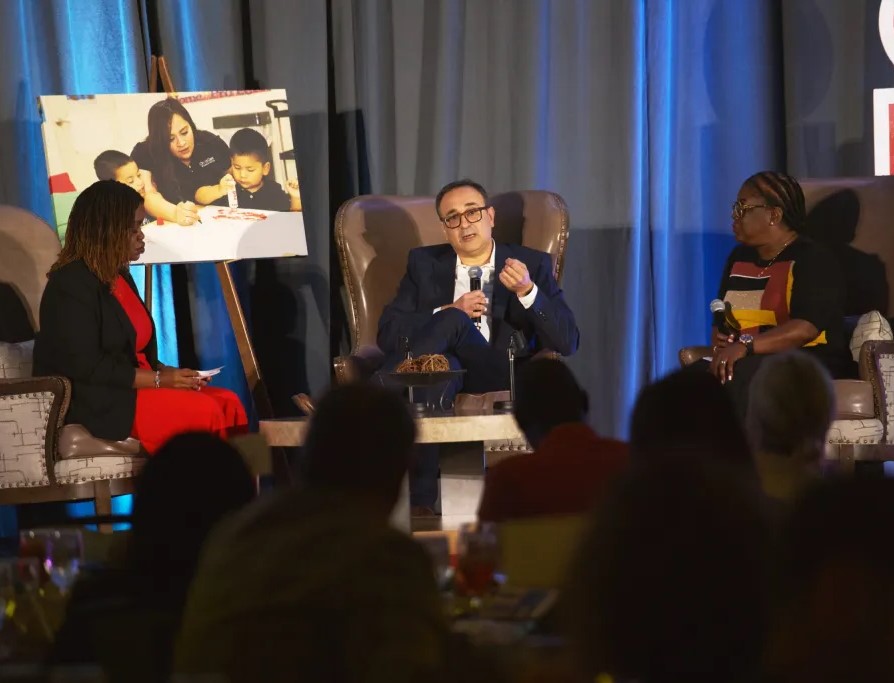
681,573
687,413
670,584
790,407
571,465
312,581
126,618
835,587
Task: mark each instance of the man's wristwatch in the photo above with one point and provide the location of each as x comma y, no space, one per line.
748,341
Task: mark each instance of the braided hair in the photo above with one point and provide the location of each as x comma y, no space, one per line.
99,229
782,191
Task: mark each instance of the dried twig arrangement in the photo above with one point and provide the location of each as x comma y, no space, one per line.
427,363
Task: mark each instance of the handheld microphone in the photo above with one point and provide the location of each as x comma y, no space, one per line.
724,320
475,273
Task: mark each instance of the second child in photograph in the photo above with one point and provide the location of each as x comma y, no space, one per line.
250,167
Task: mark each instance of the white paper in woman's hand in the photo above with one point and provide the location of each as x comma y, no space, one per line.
210,373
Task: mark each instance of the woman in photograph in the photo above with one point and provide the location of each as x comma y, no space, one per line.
95,330
184,163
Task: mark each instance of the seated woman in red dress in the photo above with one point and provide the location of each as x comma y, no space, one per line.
95,330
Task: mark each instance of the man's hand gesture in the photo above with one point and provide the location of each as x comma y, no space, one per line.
473,304
515,277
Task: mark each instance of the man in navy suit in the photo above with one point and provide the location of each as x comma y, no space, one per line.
435,310
434,307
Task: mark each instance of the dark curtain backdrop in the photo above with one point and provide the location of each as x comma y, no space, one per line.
645,115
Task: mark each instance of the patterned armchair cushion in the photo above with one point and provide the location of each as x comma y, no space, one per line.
871,326
24,419
854,432
885,365
23,427
81,470
16,359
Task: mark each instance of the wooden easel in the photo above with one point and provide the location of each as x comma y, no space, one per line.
158,71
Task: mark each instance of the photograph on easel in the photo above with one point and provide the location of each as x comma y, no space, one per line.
216,170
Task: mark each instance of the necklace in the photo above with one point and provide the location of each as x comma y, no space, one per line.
773,260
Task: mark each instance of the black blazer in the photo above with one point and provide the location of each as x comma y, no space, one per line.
85,335
429,283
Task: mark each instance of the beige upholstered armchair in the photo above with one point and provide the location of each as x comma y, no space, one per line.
41,458
853,216
374,234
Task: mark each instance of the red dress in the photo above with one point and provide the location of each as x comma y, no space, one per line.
163,413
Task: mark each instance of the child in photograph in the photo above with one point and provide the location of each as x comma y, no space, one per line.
115,165
250,166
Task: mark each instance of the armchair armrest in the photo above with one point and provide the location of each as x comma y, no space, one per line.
363,362
341,366
690,354
876,365
59,389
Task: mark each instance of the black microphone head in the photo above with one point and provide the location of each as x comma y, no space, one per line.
717,306
475,273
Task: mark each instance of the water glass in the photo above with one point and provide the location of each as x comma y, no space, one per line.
478,552
19,582
60,552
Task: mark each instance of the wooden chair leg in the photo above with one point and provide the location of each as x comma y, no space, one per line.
282,471
102,500
847,458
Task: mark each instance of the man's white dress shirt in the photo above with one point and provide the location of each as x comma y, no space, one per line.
488,275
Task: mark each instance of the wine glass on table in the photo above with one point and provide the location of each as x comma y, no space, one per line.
23,624
478,552
7,608
60,551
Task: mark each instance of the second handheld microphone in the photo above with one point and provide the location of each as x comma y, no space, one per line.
724,320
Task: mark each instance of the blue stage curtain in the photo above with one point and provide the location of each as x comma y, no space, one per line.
709,113
56,47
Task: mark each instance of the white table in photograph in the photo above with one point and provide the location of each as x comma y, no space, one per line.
226,235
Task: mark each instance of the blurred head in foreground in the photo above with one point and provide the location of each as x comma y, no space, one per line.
190,483
791,404
670,582
835,594
546,396
687,413
359,442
